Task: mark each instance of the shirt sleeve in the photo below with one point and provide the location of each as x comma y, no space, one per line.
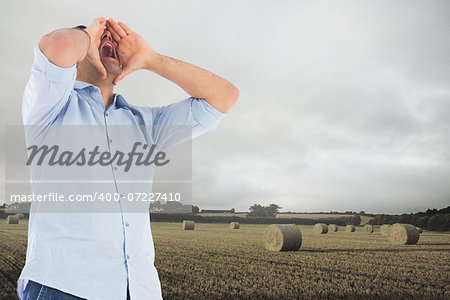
47,90
186,119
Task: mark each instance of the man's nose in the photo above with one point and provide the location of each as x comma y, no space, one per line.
107,35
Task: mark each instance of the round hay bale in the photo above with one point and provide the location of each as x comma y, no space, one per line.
21,216
333,228
349,228
234,225
403,234
385,228
320,228
12,220
188,225
419,229
368,228
282,237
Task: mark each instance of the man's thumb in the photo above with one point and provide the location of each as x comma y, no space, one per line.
125,72
100,69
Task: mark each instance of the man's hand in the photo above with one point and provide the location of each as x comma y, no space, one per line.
95,31
133,51
135,54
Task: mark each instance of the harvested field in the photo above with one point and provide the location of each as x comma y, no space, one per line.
214,262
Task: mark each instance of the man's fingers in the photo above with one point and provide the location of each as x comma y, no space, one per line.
100,20
125,28
119,30
99,67
102,70
112,31
125,72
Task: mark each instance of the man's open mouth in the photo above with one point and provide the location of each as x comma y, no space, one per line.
107,49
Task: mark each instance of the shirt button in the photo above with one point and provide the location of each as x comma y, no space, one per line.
122,196
126,224
110,140
128,257
115,168
106,114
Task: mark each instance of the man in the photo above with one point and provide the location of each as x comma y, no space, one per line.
109,256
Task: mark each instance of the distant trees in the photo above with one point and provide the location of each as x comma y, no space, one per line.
156,206
258,210
432,219
171,207
355,220
218,211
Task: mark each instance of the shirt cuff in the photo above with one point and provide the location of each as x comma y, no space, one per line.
205,114
51,71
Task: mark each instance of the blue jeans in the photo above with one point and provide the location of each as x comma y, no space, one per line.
37,291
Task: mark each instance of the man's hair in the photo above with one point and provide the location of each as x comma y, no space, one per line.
79,27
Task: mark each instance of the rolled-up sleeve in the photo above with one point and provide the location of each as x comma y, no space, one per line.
173,122
205,114
47,90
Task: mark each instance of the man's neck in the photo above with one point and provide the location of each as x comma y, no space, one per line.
106,87
107,94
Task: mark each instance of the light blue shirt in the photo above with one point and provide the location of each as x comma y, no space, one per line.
93,255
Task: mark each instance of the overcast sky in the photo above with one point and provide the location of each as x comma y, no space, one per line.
344,105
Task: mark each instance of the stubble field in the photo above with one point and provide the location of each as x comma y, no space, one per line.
214,262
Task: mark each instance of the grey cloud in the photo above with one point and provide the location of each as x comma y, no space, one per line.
343,106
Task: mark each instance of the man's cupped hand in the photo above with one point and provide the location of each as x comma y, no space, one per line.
133,51
95,31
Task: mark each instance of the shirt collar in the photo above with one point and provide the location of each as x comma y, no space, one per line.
119,100
79,85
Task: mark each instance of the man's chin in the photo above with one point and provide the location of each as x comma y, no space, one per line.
112,67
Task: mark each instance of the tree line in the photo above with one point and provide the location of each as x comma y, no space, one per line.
432,219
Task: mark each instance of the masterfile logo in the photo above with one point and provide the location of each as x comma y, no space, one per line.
98,169
146,157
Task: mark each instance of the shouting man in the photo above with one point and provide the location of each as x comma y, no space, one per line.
109,256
